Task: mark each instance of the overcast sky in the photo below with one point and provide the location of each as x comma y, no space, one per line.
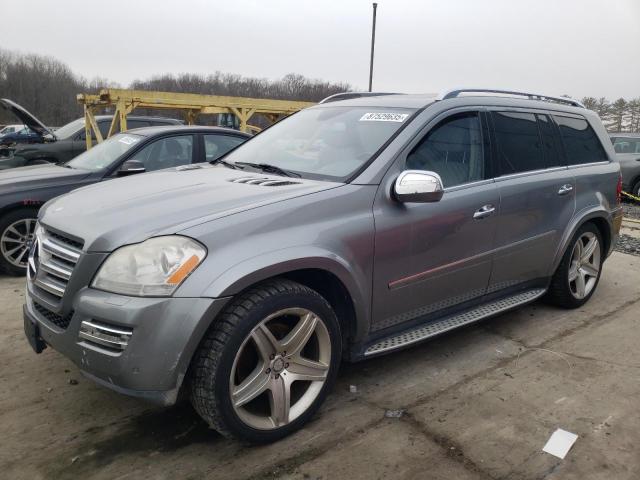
578,47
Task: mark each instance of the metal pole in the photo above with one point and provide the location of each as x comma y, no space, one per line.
373,43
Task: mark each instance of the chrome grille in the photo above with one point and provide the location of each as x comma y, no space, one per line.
52,261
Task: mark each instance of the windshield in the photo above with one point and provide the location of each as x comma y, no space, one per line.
105,153
329,143
70,128
626,144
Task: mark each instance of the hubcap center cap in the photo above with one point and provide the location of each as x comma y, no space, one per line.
277,365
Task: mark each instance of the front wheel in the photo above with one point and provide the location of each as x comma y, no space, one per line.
17,230
578,274
267,363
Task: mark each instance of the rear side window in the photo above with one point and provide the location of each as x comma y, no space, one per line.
217,145
518,142
453,149
550,142
581,144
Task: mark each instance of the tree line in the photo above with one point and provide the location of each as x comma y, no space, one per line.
618,116
47,87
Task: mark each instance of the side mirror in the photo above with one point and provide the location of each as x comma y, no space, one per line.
418,186
131,167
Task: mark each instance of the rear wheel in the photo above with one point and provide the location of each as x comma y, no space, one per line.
636,189
17,230
578,274
268,362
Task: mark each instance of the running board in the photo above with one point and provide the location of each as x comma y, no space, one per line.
454,321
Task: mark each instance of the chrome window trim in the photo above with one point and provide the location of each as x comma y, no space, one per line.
530,172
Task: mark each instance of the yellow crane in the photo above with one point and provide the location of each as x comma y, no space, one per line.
125,101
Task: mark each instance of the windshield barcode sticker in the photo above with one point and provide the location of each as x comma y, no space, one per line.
384,117
128,140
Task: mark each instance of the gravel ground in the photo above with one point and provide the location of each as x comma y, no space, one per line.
631,210
628,244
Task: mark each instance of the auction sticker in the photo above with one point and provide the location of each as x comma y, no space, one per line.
384,117
128,140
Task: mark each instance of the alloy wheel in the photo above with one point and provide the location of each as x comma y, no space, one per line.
280,368
16,241
585,265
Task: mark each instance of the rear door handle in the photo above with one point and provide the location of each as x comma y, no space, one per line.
484,211
564,189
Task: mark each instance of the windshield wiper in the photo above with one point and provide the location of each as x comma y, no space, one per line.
265,167
224,162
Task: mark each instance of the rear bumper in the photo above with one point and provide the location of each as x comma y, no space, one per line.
165,332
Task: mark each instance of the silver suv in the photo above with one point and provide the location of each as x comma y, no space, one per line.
351,229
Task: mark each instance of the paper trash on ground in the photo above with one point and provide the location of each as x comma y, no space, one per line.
560,443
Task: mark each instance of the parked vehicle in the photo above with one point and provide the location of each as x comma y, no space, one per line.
11,129
24,135
66,142
627,148
24,190
348,230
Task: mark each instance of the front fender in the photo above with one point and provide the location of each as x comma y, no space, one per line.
261,267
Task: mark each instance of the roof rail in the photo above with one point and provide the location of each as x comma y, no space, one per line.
531,96
349,95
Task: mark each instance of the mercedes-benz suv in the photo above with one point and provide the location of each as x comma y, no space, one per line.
351,229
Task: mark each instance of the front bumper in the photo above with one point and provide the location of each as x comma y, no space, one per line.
165,334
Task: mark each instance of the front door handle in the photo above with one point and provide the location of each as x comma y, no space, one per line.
484,211
564,189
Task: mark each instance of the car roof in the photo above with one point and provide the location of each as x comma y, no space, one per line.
164,129
625,135
455,98
139,117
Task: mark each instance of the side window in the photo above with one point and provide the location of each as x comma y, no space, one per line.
217,145
581,144
518,142
166,153
453,149
550,142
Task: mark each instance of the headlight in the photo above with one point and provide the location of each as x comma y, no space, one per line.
153,268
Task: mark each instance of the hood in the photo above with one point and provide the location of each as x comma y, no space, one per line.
27,118
129,210
37,176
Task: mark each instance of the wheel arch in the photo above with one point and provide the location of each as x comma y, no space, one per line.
603,222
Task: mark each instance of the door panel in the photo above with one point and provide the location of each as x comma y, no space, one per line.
430,256
532,219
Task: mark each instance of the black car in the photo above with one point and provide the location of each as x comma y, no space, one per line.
66,142
24,190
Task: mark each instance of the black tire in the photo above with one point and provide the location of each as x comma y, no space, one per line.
636,189
16,215
212,364
559,292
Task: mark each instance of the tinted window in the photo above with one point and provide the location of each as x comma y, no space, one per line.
581,144
518,142
550,142
626,144
217,145
453,149
166,153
